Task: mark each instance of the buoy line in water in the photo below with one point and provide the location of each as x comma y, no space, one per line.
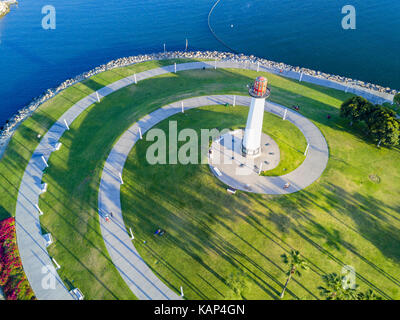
213,32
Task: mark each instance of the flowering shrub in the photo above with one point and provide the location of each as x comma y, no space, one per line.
12,277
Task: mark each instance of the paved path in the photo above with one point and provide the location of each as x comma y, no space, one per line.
371,95
141,280
32,247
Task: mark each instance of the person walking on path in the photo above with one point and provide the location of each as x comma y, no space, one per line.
286,186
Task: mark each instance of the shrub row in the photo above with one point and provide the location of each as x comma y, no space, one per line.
12,277
382,122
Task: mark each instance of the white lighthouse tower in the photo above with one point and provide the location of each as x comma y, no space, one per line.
251,145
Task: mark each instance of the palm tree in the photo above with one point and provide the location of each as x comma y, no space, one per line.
337,288
295,262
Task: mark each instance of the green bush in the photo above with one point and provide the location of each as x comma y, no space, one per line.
356,109
383,125
396,99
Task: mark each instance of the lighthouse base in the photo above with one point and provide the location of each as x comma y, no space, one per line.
250,153
231,166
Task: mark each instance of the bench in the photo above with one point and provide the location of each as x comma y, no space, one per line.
58,146
43,188
231,190
77,294
48,238
217,171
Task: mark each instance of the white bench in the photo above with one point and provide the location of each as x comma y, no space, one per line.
38,209
217,171
55,262
58,146
231,191
48,238
43,188
77,294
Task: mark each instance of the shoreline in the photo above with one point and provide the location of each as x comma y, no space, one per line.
5,7
6,132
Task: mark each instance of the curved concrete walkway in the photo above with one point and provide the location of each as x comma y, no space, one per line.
140,279
36,261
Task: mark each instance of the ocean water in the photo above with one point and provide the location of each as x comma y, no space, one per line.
88,33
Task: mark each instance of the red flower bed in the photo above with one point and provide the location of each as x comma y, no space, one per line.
12,277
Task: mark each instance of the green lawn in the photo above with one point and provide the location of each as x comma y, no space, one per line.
290,140
344,218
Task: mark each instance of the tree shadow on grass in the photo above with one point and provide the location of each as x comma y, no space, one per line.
4,214
92,84
195,233
370,218
198,240
69,222
201,237
332,237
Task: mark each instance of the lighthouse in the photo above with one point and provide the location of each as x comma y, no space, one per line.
251,145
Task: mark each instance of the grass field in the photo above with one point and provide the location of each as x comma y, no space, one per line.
291,144
212,236
344,218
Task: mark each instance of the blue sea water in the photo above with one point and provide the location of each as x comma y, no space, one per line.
88,33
